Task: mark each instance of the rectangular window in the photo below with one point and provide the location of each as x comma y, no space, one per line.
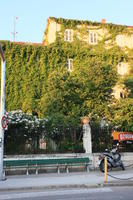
93,38
70,64
68,35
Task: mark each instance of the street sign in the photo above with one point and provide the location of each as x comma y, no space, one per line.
125,136
122,136
4,122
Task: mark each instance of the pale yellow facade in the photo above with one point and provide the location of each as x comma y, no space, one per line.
123,68
122,40
85,35
125,40
119,91
52,28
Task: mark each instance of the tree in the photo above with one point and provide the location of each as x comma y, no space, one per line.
122,115
62,105
86,90
97,78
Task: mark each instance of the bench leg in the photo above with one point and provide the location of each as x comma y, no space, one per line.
58,169
27,172
67,169
87,168
4,173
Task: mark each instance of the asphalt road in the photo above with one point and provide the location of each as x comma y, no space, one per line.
103,193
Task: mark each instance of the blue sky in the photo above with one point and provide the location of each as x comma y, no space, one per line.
33,14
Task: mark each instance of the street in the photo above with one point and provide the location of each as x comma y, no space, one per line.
101,193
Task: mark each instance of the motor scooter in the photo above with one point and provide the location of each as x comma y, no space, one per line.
113,159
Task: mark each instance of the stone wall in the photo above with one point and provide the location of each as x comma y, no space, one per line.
127,157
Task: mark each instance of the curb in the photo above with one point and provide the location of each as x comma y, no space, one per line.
52,187
124,183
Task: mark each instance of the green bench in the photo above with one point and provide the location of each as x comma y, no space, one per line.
36,164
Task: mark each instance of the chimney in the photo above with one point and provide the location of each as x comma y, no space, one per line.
103,21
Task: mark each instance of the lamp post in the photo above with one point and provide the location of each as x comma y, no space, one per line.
2,107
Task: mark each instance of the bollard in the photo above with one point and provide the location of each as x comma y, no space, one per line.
105,169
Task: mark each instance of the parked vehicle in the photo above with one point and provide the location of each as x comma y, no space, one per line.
113,159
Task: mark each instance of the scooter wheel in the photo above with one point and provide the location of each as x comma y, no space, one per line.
101,166
122,166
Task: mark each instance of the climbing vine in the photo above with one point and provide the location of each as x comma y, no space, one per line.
33,71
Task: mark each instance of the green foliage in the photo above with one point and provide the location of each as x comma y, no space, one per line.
37,82
128,81
122,115
113,29
25,74
72,23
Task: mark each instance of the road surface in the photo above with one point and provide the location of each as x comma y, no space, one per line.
101,193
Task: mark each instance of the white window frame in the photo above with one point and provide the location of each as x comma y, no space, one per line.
68,35
92,37
120,68
70,64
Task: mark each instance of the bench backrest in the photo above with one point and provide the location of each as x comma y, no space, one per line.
51,161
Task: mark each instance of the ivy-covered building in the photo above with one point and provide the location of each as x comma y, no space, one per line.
94,33
72,74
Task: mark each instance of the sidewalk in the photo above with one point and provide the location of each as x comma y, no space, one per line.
64,180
